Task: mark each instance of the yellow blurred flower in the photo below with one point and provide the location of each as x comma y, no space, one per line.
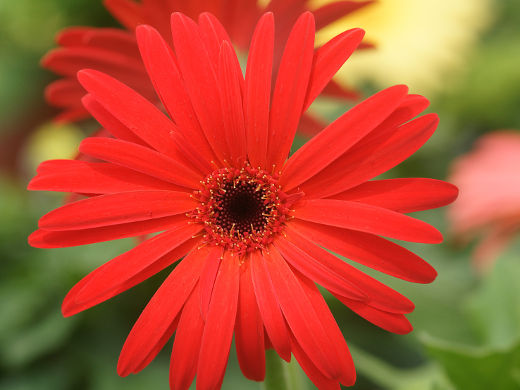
52,141
419,42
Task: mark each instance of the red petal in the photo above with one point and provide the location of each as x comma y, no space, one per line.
369,219
155,320
328,59
45,239
69,60
348,373
301,316
333,11
109,122
315,375
129,269
115,209
379,295
92,178
141,159
291,88
403,195
127,12
113,39
162,68
200,80
186,346
310,125
214,35
378,152
131,109
64,93
220,322
317,271
258,90
230,79
272,317
207,281
340,136
249,330
367,249
392,322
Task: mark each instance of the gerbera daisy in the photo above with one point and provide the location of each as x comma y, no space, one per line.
114,51
419,42
250,224
489,205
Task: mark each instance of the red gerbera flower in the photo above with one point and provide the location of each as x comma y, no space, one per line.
489,205
115,52
249,224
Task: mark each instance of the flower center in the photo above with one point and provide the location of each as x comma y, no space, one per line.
242,209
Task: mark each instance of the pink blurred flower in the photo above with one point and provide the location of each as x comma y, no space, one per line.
488,206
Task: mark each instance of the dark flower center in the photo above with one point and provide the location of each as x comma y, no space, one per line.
242,209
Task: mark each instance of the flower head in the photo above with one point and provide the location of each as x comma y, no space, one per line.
215,182
489,203
114,51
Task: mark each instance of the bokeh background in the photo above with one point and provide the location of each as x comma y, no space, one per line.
465,58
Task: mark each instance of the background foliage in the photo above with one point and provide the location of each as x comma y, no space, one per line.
467,327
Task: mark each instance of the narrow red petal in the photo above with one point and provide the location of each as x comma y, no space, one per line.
230,79
373,251
333,11
207,281
328,59
378,152
64,93
380,296
270,311
67,61
186,346
200,80
392,322
115,209
317,377
301,316
340,136
162,68
113,39
290,89
110,122
348,372
249,330
92,178
214,35
258,90
127,12
220,322
129,269
141,159
369,219
317,271
46,239
403,195
131,109
160,313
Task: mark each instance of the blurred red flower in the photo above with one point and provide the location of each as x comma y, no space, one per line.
489,202
114,51
215,182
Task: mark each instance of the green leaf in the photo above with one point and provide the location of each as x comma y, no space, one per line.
477,368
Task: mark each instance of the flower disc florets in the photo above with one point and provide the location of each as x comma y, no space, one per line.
242,209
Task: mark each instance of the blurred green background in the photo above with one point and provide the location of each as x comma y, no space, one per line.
467,326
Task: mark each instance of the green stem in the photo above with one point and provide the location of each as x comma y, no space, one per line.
281,375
